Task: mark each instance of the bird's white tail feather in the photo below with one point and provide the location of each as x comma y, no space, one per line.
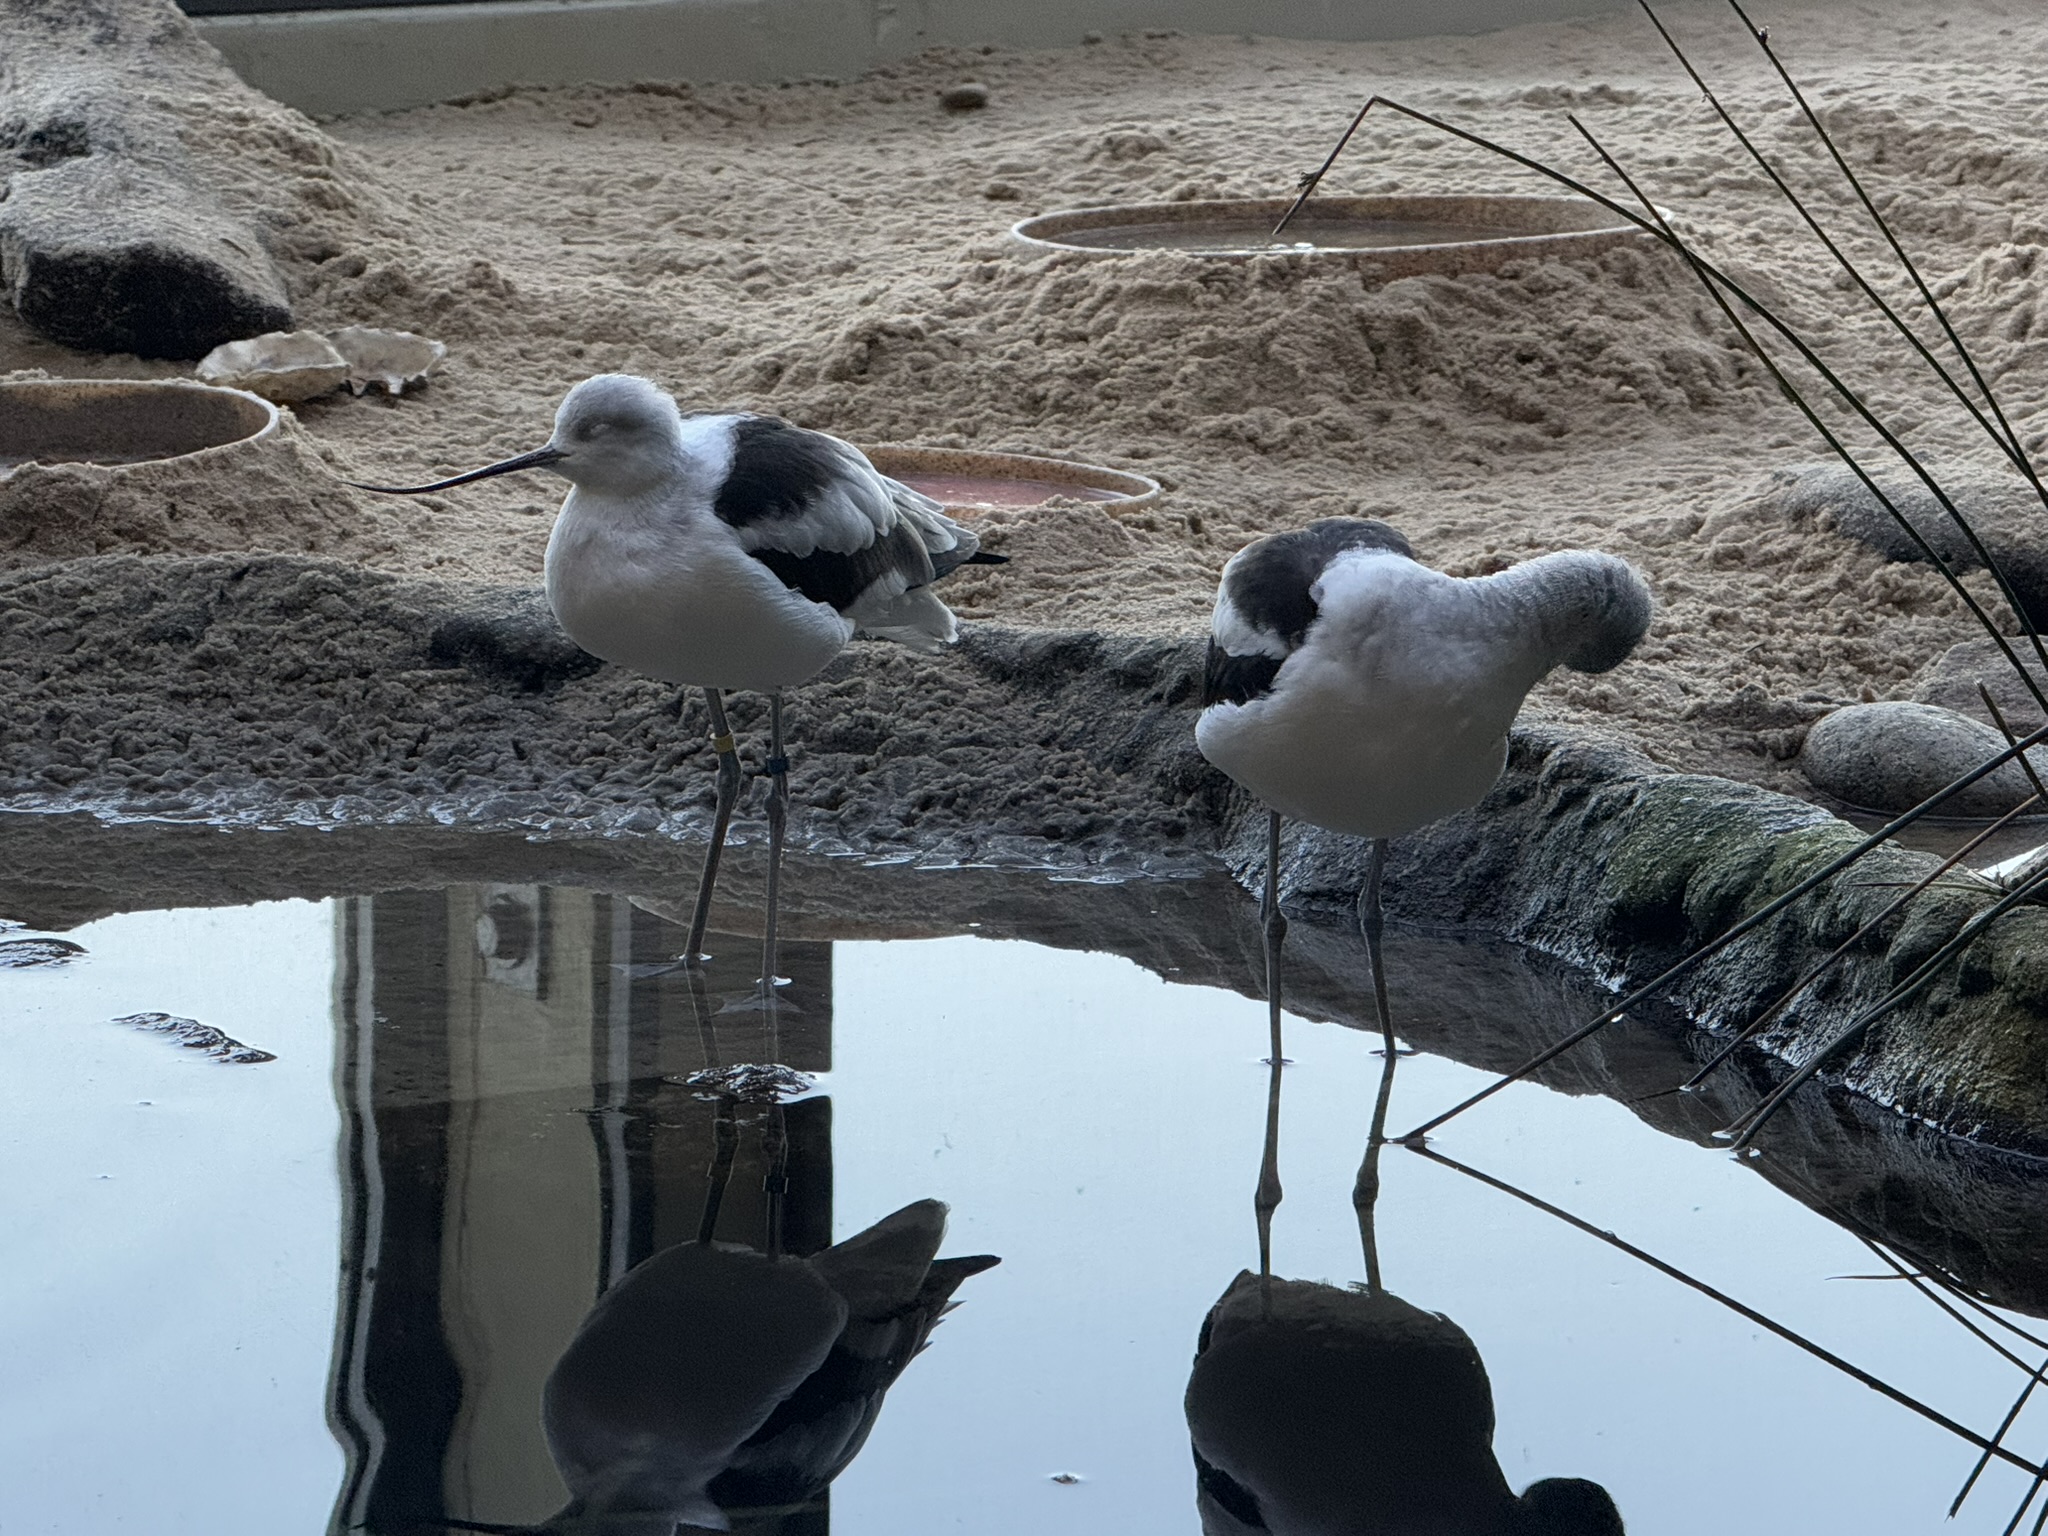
916,619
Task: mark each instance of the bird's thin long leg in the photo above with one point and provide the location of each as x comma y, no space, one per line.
1274,922
1267,1200
778,822
725,1137
775,1183
1365,1192
728,795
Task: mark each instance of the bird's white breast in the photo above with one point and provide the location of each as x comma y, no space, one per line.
1395,709
667,590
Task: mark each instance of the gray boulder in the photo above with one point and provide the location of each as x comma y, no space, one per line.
1890,757
2006,515
1952,683
149,200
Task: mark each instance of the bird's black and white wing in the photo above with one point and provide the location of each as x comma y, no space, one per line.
1265,605
815,512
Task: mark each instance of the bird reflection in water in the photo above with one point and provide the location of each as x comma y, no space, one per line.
1325,1410
718,1388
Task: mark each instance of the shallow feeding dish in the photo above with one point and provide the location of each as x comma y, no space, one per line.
1387,236
123,421
284,366
966,481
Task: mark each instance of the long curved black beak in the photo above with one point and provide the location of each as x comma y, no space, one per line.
540,458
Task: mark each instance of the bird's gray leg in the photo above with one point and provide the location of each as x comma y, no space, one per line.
1267,1200
1365,1192
778,822
728,795
775,1183
725,1137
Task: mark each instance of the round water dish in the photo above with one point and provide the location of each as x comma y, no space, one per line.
966,481
1387,236
123,421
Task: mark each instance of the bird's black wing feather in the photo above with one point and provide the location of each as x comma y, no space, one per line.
1229,679
779,472
825,576
1269,586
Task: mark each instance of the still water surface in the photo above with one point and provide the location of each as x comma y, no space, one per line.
1232,236
324,1292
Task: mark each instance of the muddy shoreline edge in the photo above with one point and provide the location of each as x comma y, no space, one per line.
283,690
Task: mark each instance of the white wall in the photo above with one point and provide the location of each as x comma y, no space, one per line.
341,61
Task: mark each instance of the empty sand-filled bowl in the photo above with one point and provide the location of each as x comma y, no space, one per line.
120,421
1387,236
966,481
163,467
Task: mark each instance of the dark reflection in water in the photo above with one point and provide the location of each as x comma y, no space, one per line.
719,1387
1325,1409
528,1178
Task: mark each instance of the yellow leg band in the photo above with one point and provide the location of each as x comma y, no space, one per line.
724,744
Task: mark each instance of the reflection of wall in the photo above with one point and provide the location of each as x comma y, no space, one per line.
515,1137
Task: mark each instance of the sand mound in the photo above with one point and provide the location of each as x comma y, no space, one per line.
833,251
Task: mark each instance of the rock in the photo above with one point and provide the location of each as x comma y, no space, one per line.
1890,757
509,637
967,96
149,200
1952,683
2006,514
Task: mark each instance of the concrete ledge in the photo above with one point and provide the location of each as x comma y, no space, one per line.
389,57
329,62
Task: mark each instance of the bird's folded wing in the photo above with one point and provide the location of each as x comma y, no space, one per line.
797,492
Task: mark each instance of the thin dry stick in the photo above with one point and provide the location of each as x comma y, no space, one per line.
1998,715
2021,1513
1713,946
1757,1025
2010,447
1744,1130
1857,1373
1920,1283
2034,1373
1314,178
2001,433
1747,1128
1703,272
1665,236
1787,1174
1997,1438
1763,41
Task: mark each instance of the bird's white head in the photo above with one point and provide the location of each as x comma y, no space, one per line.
615,434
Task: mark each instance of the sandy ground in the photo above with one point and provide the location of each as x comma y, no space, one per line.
834,252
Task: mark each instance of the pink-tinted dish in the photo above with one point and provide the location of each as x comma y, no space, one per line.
966,481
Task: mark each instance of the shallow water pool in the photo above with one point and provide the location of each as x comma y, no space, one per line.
324,1292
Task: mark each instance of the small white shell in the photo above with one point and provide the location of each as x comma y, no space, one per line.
394,361
284,367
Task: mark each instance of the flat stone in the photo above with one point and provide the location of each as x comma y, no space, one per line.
1952,683
150,201
1890,757
2006,515
509,638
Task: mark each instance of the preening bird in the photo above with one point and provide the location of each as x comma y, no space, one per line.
726,550
1320,1410
713,1380
1353,688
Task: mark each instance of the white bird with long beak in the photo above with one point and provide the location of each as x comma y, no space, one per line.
1352,688
725,551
